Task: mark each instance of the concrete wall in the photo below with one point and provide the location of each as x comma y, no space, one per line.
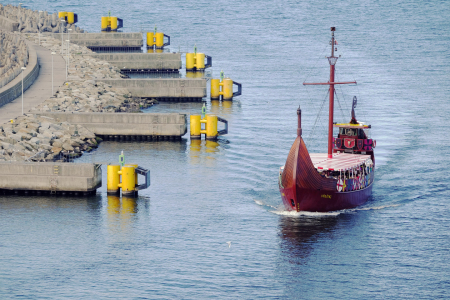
49,176
154,124
142,61
8,25
14,88
104,39
162,87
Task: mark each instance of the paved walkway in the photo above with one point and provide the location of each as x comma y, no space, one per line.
41,89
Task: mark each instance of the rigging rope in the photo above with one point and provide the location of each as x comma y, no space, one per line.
317,118
339,103
317,60
311,103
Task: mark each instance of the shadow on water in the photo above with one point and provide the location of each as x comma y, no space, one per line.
300,234
92,203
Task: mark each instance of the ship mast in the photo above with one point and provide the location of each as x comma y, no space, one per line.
332,60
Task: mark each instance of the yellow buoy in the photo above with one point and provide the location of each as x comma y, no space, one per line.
195,61
70,17
211,127
190,61
215,89
113,179
196,126
136,177
227,89
105,23
128,180
113,22
159,40
200,61
150,39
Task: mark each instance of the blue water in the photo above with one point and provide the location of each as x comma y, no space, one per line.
171,242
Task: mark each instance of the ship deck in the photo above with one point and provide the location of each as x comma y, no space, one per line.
339,161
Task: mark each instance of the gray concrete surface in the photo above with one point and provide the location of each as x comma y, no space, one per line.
104,39
162,87
50,176
142,61
151,124
8,25
41,89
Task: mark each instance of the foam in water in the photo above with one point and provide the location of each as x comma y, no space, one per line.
280,210
299,214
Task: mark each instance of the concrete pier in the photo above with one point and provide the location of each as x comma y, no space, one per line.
142,61
155,125
165,89
50,176
105,40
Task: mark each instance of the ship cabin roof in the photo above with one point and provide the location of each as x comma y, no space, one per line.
339,161
360,125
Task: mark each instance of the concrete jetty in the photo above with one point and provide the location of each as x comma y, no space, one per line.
125,126
98,41
50,177
164,89
130,62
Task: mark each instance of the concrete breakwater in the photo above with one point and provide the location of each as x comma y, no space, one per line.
50,177
13,56
126,126
142,61
17,18
106,40
168,89
40,138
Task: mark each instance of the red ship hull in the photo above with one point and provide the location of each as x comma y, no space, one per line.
304,189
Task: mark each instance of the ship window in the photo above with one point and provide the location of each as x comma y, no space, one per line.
348,131
361,134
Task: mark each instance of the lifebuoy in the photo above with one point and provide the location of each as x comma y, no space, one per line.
340,185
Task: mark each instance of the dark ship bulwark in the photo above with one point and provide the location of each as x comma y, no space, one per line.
303,188
343,177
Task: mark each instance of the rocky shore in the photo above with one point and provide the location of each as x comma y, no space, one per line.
31,138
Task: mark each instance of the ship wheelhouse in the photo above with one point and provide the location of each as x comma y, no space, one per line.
353,138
